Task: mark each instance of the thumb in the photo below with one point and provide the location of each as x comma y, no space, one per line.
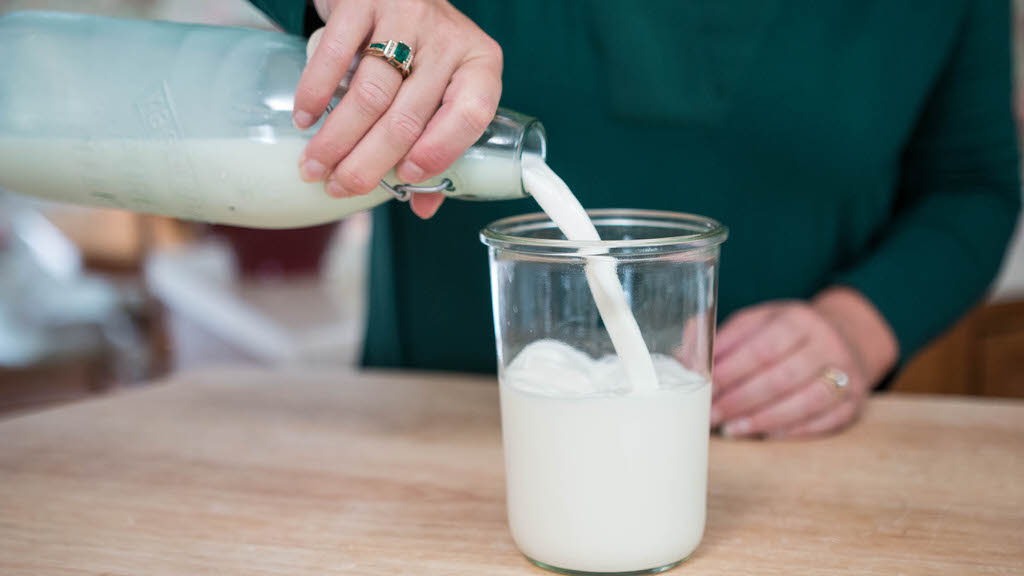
323,8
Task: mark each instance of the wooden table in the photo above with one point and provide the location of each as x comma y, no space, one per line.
391,473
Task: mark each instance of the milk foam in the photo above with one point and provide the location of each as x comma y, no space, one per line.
553,368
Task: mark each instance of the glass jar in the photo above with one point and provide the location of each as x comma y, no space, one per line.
604,476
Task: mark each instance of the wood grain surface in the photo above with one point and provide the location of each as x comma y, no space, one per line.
400,473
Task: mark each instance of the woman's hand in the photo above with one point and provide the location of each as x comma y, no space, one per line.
770,361
422,124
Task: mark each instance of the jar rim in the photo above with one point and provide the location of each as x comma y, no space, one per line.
699,232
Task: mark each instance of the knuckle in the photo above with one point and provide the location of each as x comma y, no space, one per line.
333,48
405,127
353,181
417,10
832,336
441,47
447,32
743,315
810,318
432,159
833,348
476,113
493,51
372,97
327,150
798,314
785,332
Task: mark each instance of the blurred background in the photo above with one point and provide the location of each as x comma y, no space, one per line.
92,300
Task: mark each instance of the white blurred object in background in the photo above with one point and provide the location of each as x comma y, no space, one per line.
50,309
1009,284
217,317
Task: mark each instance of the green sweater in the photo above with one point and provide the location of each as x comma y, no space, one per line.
863,142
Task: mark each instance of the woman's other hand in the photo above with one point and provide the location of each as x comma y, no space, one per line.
770,363
422,124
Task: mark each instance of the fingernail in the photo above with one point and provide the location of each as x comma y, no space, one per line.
312,171
302,119
410,172
716,416
335,189
736,428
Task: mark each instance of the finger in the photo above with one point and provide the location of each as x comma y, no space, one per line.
779,337
831,421
468,107
740,326
804,403
426,205
342,37
771,383
388,141
374,87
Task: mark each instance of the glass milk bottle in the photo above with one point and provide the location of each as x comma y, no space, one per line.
193,122
605,475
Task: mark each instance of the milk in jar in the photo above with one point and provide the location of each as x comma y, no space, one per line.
601,478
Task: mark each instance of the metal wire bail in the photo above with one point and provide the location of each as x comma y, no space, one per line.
403,192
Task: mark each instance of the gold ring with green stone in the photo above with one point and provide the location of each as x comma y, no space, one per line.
398,54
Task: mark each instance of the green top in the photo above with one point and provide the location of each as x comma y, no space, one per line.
869,143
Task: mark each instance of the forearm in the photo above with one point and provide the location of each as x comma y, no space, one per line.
959,192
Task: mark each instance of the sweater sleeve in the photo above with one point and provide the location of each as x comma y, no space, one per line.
291,15
959,191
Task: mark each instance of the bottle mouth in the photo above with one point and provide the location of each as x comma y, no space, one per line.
533,144
535,140
625,232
